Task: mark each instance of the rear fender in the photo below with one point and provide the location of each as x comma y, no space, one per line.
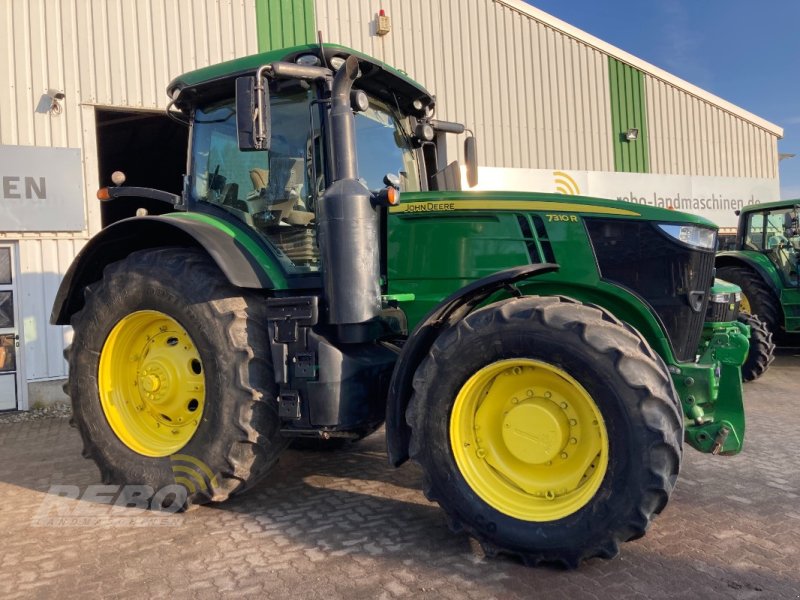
240,264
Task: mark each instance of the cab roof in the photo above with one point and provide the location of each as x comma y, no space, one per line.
377,78
770,205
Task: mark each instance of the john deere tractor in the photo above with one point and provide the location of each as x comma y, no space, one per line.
541,357
765,264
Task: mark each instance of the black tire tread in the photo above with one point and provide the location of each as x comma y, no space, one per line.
640,367
762,349
762,301
243,315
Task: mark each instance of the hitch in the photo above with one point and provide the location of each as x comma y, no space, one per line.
711,390
719,441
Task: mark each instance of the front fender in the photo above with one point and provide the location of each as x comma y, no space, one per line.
448,312
623,303
242,262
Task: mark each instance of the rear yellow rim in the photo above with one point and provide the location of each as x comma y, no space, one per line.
151,383
529,439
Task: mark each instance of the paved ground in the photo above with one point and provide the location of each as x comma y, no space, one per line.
344,525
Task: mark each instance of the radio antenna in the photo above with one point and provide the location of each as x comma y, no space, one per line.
321,51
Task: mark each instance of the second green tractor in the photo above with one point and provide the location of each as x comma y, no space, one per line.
765,263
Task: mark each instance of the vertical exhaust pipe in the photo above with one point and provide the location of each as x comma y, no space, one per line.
348,227
343,126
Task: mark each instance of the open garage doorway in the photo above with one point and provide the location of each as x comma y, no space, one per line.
149,147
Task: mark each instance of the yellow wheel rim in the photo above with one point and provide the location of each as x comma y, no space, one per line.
744,304
152,384
529,439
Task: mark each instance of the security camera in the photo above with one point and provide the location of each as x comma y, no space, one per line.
56,94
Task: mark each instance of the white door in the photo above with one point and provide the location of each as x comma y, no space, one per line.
9,336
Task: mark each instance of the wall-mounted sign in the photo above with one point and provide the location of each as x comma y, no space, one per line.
715,198
41,189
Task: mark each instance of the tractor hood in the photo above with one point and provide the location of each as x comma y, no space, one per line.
444,202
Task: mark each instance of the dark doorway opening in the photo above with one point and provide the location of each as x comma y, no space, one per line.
149,147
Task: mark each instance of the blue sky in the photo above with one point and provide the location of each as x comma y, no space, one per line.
745,51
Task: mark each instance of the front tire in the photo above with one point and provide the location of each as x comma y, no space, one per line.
762,350
171,379
757,298
546,429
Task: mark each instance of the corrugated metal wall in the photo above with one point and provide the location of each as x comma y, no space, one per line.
628,111
118,53
690,136
284,23
534,96
539,98
42,265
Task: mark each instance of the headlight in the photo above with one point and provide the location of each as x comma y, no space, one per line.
699,237
722,298
308,60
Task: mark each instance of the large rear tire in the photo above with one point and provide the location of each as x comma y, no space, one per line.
762,350
757,298
171,379
547,429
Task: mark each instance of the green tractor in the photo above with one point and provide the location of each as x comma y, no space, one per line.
765,264
541,357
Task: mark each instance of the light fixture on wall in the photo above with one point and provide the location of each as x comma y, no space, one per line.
50,102
632,134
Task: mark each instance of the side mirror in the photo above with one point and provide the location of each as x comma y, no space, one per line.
253,124
471,159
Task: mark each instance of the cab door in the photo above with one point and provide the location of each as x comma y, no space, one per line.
10,384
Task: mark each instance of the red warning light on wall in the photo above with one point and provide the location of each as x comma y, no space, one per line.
383,24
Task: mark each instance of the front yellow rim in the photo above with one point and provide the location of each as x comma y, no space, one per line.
529,439
151,383
744,304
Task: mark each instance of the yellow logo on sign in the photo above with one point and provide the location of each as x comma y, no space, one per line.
565,184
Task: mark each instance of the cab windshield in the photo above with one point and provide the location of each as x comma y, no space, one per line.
384,147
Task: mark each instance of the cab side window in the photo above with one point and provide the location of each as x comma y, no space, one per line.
754,234
271,191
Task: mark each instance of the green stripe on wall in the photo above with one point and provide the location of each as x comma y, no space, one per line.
628,111
284,23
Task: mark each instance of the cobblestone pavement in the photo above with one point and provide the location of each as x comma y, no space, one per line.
344,525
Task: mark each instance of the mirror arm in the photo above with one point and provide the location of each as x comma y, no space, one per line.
261,133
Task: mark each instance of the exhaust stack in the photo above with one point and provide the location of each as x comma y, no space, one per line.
348,228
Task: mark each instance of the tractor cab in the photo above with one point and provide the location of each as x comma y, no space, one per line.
274,184
775,233
766,263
